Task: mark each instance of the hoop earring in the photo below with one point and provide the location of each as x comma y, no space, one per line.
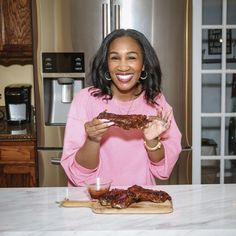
107,76
145,76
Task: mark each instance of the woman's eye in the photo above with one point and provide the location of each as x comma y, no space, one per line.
132,58
114,58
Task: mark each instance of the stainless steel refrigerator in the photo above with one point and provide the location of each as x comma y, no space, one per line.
70,31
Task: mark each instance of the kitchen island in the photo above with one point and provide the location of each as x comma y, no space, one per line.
198,210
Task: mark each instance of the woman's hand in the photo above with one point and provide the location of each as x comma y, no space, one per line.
158,125
96,128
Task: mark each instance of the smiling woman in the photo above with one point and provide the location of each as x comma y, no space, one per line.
126,78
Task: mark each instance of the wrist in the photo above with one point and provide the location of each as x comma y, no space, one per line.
93,140
152,145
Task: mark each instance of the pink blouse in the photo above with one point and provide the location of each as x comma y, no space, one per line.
123,157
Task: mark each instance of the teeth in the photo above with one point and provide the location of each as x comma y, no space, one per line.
124,77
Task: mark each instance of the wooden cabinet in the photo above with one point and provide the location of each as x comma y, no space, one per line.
18,164
15,32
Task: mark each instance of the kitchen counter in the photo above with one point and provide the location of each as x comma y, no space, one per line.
198,210
21,132
16,132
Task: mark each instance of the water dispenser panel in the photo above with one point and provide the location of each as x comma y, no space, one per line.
56,102
63,62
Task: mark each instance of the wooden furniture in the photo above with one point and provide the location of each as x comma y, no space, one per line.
18,164
15,32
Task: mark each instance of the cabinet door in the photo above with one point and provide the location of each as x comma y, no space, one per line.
18,164
15,32
20,175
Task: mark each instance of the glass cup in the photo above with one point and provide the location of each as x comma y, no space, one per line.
98,187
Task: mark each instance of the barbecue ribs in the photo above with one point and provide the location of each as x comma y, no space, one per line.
120,198
132,121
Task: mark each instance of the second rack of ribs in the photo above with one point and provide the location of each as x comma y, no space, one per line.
120,198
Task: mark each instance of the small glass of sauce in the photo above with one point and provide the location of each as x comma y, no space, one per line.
98,187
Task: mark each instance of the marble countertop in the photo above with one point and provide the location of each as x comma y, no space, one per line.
198,210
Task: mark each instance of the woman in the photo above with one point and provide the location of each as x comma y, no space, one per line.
126,78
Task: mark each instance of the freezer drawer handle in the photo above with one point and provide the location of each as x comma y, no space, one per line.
56,160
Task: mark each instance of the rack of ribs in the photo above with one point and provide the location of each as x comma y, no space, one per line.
117,198
120,198
132,121
143,194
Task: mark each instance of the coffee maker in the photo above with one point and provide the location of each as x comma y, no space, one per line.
18,103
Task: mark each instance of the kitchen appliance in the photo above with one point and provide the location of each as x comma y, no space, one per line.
18,103
62,76
79,26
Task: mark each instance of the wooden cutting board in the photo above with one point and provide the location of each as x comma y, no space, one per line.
135,208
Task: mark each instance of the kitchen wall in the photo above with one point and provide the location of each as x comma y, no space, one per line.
15,74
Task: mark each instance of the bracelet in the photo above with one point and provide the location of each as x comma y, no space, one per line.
158,146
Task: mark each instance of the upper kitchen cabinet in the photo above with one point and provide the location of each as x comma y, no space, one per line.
15,32
214,91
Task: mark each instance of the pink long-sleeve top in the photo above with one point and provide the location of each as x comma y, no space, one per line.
123,157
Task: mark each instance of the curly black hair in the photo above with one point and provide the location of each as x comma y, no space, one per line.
151,85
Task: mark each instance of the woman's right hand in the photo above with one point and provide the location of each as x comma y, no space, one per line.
96,128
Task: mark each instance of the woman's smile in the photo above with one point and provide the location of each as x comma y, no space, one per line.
124,77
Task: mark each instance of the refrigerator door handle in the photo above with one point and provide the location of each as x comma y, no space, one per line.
105,25
117,16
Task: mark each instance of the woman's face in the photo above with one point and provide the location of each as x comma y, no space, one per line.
125,64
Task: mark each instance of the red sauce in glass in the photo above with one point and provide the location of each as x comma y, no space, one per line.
96,193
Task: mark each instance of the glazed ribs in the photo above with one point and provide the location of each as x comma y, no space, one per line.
143,194
120,198
117,198
132,121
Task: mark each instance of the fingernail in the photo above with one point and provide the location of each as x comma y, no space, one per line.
105,120
110,123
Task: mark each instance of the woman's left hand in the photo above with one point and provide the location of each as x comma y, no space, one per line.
158,125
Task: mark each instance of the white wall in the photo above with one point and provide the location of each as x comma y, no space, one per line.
15,74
